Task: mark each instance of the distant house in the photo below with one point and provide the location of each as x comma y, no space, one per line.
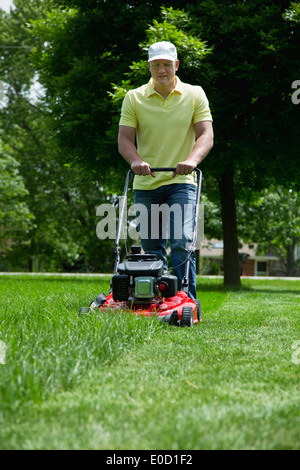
211,254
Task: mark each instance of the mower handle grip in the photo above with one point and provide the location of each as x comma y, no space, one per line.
169,169
152,169
162,169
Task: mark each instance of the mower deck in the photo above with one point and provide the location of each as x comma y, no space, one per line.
177,310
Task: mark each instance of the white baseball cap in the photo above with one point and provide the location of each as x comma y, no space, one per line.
162,50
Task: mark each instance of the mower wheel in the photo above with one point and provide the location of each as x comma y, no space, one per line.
198,305
187,318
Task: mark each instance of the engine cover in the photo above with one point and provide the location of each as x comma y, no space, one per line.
144,287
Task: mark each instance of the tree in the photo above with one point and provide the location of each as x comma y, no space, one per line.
293,12
247,78
15,216
249,87
60,199
85,47
241,52
273,222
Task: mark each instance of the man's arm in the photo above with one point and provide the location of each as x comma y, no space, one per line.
128,150
204,143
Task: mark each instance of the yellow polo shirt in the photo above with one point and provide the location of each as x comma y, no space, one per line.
165,132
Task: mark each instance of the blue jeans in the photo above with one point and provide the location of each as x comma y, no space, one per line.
176,223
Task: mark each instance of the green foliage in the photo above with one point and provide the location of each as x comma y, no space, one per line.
253,67
273,222
212,218
178,28
246,66
85,48
15,216
192,52
293,13
61,198
244,54
251,72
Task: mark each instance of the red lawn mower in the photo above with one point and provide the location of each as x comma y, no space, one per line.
141,286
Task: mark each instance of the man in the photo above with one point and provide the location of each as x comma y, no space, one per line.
166,123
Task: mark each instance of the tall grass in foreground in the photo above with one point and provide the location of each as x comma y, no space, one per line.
49,348
122,382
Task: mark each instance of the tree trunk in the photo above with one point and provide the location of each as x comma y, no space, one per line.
290,259
230,235
30,255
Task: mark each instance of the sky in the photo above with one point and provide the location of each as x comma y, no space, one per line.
6,4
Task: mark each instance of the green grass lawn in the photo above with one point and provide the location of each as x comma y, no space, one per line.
123,382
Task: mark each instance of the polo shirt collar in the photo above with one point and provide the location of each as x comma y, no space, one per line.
178,87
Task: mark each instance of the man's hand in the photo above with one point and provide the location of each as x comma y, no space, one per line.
184,168
142,168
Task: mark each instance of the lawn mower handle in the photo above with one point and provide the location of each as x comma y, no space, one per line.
162,169
129,177
171,169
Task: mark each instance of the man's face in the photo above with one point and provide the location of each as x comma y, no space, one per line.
163,71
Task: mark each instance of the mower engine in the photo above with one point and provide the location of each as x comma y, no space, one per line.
140,278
